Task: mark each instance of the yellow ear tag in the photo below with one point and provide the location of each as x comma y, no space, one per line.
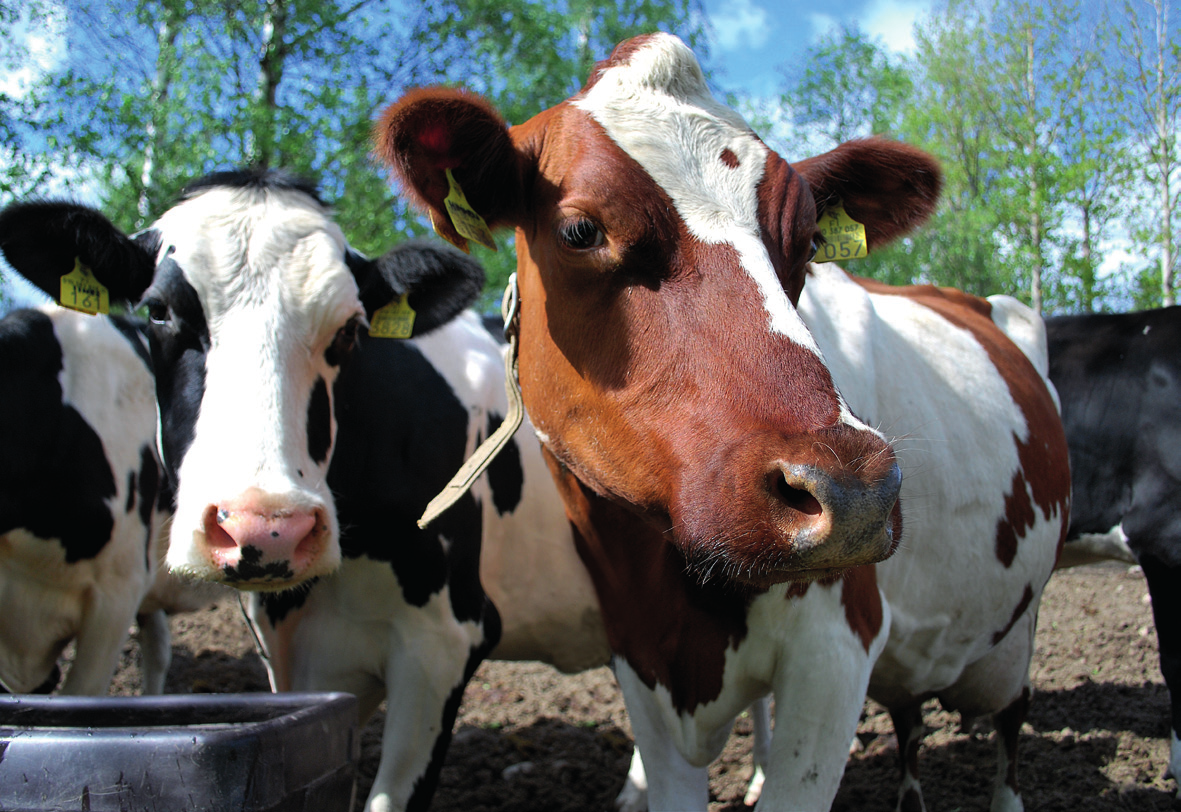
844,237
460,243
463,216
81,291
395,320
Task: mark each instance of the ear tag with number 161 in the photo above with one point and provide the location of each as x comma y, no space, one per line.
81,291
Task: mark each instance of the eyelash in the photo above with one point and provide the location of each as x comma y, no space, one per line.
581,234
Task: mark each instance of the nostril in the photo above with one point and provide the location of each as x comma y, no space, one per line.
798,499
215,536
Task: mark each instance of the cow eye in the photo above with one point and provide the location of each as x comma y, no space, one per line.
342,342
158,312
581,234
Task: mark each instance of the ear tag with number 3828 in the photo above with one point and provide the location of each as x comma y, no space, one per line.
844,237
395,320
81,291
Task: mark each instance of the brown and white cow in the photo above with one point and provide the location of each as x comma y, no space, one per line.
710,420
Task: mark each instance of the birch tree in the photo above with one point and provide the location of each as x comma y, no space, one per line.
1151,72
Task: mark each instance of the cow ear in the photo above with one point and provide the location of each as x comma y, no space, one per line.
437,280
432,132
42,241
891,188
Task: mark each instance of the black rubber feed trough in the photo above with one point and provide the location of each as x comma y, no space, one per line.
192,753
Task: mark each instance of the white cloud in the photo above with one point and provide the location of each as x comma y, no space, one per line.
821,24
38,46
741,24
893,21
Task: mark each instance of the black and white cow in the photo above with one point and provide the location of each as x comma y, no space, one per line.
79,482
305,451
1119,380
433,397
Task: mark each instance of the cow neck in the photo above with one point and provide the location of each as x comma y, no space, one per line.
671,629
481,458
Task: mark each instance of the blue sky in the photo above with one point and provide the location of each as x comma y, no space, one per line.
755,39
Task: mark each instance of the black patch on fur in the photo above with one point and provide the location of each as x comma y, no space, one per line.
401,434
55,479
505,473
149,484
319,422
248,568
131,493
277,605
261,180
178,350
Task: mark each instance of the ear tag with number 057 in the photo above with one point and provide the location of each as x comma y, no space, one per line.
81,291
844,237
464,217
395,320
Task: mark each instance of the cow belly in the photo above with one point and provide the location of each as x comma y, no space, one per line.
964,444
546,601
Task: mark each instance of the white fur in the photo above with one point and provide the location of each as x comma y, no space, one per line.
1090,548
1175,761
659,99
270,274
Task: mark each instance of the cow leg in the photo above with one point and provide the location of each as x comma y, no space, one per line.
98,646
760,718
1164,586
155,650
820,682
909,730
634,795
1005,796
998,684
674,785
425,677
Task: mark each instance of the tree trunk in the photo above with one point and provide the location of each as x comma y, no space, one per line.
166,34
270,73
1035,213
1164,157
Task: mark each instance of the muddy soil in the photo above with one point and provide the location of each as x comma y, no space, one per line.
529,738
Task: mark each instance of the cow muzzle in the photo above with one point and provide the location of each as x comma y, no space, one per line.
262,543
781,519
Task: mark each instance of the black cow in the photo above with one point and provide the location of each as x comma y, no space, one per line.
1119,380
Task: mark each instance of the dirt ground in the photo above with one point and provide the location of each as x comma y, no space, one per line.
529,738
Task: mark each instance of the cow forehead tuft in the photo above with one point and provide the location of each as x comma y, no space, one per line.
657,108
246,244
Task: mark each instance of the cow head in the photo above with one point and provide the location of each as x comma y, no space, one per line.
662,248
255,300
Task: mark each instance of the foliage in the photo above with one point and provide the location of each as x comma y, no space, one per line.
849,87
155,93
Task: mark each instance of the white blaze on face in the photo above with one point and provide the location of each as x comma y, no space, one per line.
269,272
657,108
